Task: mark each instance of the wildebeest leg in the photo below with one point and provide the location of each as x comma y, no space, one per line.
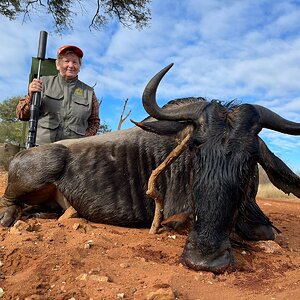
46,164
10,211
180,223
12,204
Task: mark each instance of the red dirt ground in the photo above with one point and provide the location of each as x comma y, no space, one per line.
76,259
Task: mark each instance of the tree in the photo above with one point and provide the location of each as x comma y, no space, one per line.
10,127
103,128
127,12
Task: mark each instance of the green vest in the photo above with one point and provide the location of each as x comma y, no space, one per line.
65,109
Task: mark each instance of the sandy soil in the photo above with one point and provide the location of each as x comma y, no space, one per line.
76,259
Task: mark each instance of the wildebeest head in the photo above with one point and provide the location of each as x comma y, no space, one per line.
226,150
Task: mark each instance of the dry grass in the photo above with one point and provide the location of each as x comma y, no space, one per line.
268,190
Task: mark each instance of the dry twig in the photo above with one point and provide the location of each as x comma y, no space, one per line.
153,192
122,119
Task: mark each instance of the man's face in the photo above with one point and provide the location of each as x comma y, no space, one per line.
68,66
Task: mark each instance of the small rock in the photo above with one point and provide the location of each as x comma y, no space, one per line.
120,295
82,276
69,213
142,259
18,227
265,246
76,226
21,225
99,278
95,271
15,231
63,289
88,244
159,294
56,268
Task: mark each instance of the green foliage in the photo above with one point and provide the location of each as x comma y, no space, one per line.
103,128
10,8
10,127
127,12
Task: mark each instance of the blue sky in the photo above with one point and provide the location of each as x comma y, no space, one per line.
247,50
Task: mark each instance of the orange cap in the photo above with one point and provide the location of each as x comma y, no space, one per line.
75,49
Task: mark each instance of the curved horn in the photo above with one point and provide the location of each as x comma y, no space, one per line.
270,120
187,112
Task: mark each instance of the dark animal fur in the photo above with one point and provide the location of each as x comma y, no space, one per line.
215,180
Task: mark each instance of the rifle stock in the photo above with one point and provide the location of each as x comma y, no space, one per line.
36,99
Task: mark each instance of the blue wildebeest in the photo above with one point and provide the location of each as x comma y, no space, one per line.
214,180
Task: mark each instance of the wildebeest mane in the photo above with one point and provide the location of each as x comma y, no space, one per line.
181,101
231,104
228,105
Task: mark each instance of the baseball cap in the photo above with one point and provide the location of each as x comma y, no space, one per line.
65,48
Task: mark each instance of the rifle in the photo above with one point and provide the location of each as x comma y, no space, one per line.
36,99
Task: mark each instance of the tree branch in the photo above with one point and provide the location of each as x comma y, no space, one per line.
122,120
95,15
127,12
153,192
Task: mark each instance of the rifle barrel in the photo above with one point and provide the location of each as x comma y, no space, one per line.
36,99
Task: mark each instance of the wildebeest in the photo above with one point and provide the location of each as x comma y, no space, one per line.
215,180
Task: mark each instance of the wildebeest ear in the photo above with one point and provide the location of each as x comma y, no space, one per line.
162,127
278,172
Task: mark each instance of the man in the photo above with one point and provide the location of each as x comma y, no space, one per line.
69,107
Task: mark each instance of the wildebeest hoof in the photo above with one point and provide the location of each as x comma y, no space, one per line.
8,215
